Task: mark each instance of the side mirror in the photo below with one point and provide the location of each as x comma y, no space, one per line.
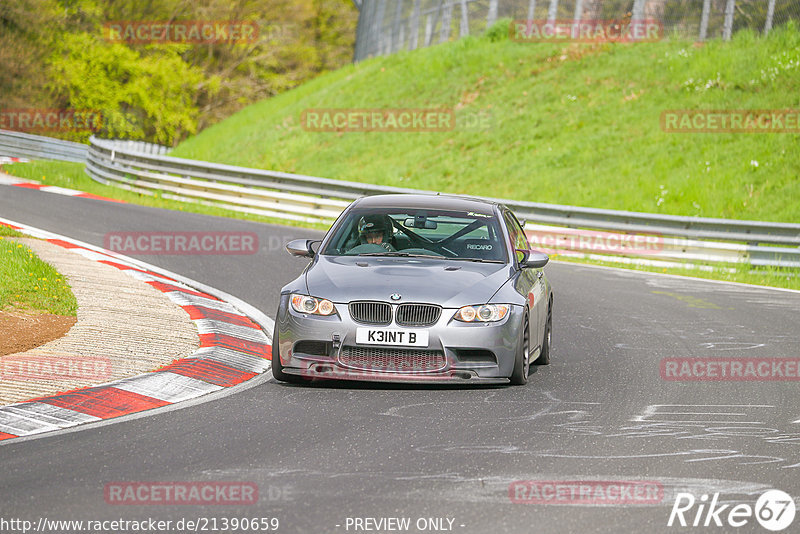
535,259
301,248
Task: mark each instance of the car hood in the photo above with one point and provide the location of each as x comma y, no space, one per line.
451,284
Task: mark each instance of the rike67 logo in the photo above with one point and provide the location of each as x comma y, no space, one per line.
774,510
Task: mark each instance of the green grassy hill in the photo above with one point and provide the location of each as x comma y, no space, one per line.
570,124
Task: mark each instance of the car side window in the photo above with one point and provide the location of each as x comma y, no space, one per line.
519,241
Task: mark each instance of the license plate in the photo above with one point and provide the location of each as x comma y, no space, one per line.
385,336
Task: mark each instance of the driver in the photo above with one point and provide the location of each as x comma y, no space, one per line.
376,229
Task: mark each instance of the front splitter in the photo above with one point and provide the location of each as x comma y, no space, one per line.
333,372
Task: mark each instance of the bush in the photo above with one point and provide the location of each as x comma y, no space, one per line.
499,30
149,97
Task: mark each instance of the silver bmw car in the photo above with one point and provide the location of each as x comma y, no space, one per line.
416,288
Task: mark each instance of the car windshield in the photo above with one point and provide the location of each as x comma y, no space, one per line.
445,234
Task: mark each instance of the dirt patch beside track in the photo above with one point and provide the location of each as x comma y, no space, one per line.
25,330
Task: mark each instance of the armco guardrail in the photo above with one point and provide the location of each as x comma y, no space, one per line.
269,193
568,230
313,199
19,144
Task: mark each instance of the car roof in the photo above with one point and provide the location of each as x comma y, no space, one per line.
432,201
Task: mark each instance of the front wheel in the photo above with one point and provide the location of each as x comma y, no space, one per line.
522,364
277,367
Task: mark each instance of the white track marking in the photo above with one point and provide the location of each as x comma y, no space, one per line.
209,326
233,358
49,413
167,387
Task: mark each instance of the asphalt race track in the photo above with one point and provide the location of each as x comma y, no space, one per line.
326,453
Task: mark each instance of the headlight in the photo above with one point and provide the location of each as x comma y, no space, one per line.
312,305
486,313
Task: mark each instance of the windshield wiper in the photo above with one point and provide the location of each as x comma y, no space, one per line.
407,255
401,254
387,253
476,260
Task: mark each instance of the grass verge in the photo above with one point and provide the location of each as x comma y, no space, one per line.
742,274
28,282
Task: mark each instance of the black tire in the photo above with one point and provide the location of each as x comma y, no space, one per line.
277,368
544,356
522,364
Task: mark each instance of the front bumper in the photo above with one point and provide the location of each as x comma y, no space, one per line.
319,347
